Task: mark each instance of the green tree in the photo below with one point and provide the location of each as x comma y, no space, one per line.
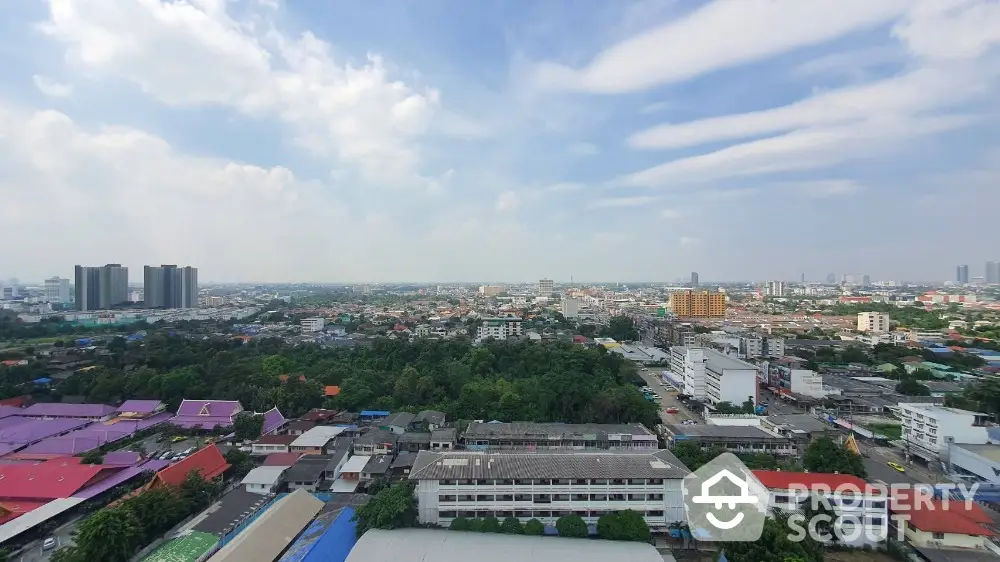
460,524
110,535
196,494
490,525
240,463
623,526
572,526
512,526
911,387
391,508
827,456
534,527
156,510
94,456
248,426
775,544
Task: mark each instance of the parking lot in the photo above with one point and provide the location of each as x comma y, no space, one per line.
668,398
158,445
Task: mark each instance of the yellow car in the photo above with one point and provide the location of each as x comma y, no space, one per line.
178,439
897,466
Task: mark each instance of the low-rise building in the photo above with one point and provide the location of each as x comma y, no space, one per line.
499,328
732,438
933,523
432,418
443,439
308,473
263,480
314,324
354,466
873,322
269,444
728,379
547,485
397,422
540,436
376,442
377,467
929,429
315,441
413,441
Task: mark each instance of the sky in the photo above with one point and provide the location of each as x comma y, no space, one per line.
448,140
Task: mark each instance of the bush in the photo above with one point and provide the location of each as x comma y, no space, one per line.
512,526
572,526
476,525
490,525
623,526
460,524
534,527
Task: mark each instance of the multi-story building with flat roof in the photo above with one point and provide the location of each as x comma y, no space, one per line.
545,287
929,429
499,328
548,485
688,367
531,436
698,304
169,286
57,290
728,379
873,322
99,288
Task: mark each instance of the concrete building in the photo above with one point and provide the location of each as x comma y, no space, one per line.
100,288
775,289
992,273
314,324
698,304
548,485
530,436
57,290
570,307
728,379
499,328
688,366
732,438
694,279
545,287
930,429
873,322
490,290
169,286
962,274
753,347
974,463
788,379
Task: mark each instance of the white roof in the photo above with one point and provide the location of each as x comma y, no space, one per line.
317,436
37,516
355,463
263,475
272,532
439,545
341,485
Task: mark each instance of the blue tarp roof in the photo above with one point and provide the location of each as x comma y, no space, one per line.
43,380
329,538
374,413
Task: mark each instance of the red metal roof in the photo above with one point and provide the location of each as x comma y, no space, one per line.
936,518
208,461
776,480
56,478
282,459
12,510
903,501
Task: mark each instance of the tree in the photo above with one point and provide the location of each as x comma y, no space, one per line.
620,328
110,535
775,544
490,525
512,526
391,508
817,510
827,456
460,524
240,463
248,426
195,493
157,510
534,527
910,387
94,456
572,526
623,526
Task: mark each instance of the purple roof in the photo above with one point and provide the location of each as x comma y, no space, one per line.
60,410
6,411
32,431
209,408
122,458
273,420
92,436
116,479
140,406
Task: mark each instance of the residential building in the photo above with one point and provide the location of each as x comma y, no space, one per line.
99,288
443,439
787,379
532,436
413,441
377,467
688,366
962,275
866,280
873,322
732,438
570,307
547,485
87,287
169,286
753,347
263,480
490,290
499,328
728,379
432,418
930,523
376,442
397,422
929,429
316,440
314,324
308,473
992,274
271,444
775,289
698,304
694,279
354,466
57,290
545,287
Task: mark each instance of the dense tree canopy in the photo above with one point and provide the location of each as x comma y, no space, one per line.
391,508
826,455
620,328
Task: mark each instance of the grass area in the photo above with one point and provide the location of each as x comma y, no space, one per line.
183,549
890,430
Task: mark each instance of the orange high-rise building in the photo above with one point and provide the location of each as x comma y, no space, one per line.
698,304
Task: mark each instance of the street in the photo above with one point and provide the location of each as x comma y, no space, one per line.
668,398
63,536
876,463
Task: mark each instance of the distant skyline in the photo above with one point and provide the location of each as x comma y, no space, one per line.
282,140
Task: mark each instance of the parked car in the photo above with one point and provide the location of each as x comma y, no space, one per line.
672,410
49,543
897,466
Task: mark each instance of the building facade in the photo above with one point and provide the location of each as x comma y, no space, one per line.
962,274
698,304
549,485
688,366
873,322
992,274
545,287
570,307
314,324
57,290
169,286
753,347
98,288
728,379
499,328
530,436
775,289
930,429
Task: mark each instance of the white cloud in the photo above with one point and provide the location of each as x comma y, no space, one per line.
689,240
508,201
720,35
619,202
563,187
670,214
198,53
52,88
822,189
583,149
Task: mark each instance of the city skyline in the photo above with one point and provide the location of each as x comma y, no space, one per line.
445,140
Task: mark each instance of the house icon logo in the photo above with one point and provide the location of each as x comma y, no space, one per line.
723,501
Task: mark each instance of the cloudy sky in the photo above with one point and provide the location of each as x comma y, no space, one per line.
421,140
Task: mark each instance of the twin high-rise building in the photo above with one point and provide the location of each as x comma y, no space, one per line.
992,272
102,287
962,274
169,286
57,290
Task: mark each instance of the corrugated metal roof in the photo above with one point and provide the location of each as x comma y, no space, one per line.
268,536
465,465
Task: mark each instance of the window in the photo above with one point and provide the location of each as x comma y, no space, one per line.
484,497
580,482
449,514
446,498
879,504
446,482
876,520
938,536
656,481
655,513
599,497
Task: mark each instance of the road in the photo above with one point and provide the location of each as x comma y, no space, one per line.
63,536
876,463
668,398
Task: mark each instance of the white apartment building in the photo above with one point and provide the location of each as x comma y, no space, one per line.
873,322
545,287
929,429
752,347
570,307
314,324
775,289
57,290
862,510
728,379
688,366
499,328
548,485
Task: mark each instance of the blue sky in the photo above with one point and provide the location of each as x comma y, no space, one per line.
441,140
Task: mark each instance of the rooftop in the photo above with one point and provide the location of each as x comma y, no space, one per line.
268,536
281,459
598,431
465,465
187,548
207,461
318,436
232,508
399,419
729,431
780,480
378,464
310,468
991,452
264,475
719,361
62,410
355,464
